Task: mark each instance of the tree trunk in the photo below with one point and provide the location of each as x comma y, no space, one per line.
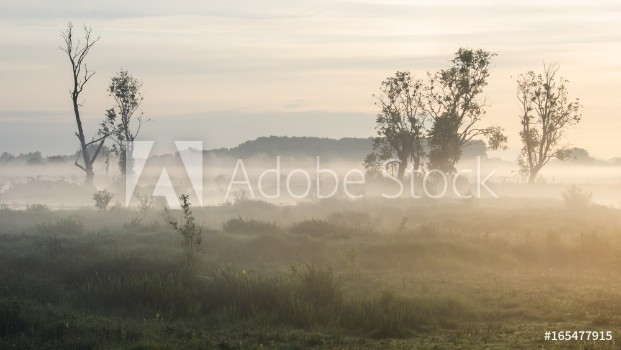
129,157
416,160
403,164
88,165
88,182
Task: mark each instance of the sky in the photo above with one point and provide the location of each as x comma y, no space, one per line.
227,71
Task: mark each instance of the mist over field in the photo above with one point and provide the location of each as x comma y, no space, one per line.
56,183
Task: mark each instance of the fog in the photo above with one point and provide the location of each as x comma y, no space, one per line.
57,185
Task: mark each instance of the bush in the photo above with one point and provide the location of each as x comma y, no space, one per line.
351,218
249,226
190,233
4,209
576,198
314,227
37,209
102,199
319,228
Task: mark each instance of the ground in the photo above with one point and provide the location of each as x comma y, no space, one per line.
333,274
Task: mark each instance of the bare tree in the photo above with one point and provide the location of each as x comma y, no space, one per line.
77,50
546,112
454,101
400,122
125,89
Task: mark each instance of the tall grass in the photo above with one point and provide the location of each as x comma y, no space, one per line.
65,226
306,296
12,318
153,293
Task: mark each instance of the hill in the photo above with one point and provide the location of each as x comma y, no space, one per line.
348,148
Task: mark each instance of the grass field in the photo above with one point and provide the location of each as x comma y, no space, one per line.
334,274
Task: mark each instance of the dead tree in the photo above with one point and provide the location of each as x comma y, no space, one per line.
77,50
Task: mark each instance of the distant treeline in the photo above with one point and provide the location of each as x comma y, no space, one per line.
348,148
32,158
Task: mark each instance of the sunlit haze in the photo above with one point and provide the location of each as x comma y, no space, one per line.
226,72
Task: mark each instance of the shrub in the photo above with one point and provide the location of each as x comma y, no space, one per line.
319,228
190,233
135,223
102,199
38,208
249,226
356,219
144,204
4,208
576,197
314,227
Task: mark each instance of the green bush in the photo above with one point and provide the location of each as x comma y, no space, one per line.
102,199
191,234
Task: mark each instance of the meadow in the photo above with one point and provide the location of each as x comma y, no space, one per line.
324,274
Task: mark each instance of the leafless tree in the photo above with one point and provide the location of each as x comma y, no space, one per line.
77,50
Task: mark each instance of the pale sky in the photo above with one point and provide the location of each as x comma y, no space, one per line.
227,71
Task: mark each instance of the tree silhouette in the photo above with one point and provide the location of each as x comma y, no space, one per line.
76,51
453,99
399,124
546,112
125,89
